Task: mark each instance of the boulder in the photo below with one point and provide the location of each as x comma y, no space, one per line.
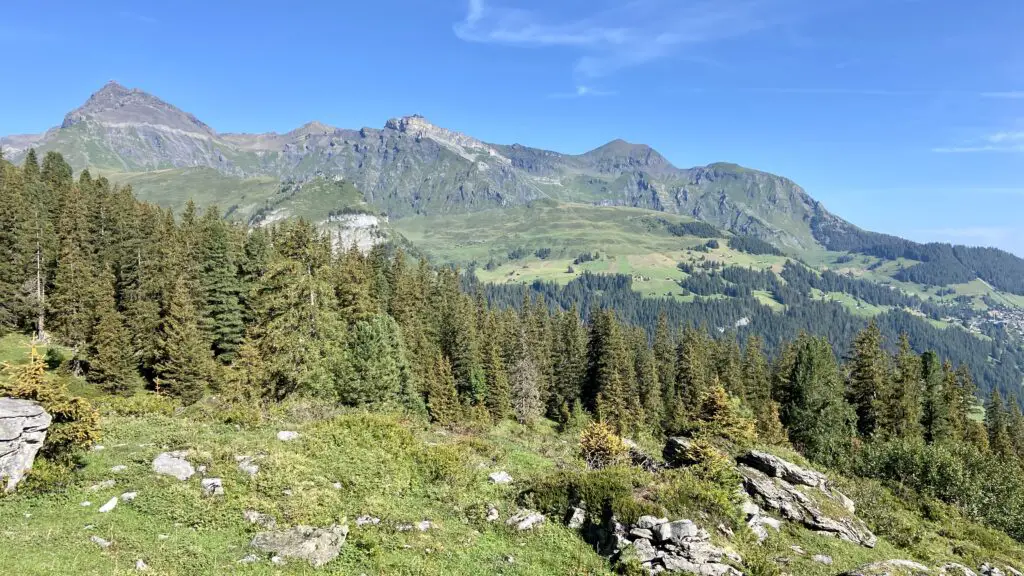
492,514
247,466
677,450
822,559
890,568
109,506
129,496
173,464
23,426
644,550
526,520
100,542
317,546
287,435
641,459
501,477
366,520
212,487
776,467
679,531
576,518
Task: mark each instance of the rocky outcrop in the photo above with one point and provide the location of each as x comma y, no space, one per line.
23,426
800,495
317,546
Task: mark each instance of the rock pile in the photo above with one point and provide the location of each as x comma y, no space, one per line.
23,426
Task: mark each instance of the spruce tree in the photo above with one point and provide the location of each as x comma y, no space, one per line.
111,363
869,378
70,302
183,367
524,383
665,356
15,249
647,384
693,370
221,311
935,413
442,399
499,394
376,354
900,403
353,287
819,420
729,365
997,425
569,358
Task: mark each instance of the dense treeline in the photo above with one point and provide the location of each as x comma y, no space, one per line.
996,363
194,305
753,245
698,229
940,264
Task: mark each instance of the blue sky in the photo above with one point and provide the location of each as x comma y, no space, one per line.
902,116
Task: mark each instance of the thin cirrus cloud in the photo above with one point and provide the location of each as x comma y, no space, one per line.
618,37
1008,141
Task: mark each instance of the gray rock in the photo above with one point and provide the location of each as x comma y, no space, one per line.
247,466
85,504
890,568
954,569
750,509
676,452
650,522
249,559
501,477
173,464
141,566
776,467
264,520
23,426
526,520
129,496
367,521
641,533
118,469
110,505
424,525
212,487
287,435
644,550
676,532
317,546
492,514
100,542
822,559
774,492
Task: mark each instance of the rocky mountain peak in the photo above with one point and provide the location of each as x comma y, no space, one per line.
116,105
466,146
619,155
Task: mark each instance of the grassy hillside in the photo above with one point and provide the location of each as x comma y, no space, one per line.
395,467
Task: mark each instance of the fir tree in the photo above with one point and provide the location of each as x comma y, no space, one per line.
221,312
729,366
693,370
665,356
869,377
523,382
442,399
935,416
819,420
376,356
997,425
183,367
70,302
647,384
111,363
499,394
569,358
900,403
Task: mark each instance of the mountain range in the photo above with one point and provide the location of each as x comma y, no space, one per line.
413,167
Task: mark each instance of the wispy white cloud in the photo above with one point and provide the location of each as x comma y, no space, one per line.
1011,95
1004,141
625,35
582,92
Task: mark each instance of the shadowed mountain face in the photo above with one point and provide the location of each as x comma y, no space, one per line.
411,166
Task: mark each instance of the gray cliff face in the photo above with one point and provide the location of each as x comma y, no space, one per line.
411,166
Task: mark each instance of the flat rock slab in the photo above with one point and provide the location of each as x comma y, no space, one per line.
173,464
317,546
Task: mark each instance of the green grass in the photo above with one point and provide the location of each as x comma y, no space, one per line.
173,188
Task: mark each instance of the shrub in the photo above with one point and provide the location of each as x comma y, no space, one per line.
605,493
600,447
139,404
76,424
